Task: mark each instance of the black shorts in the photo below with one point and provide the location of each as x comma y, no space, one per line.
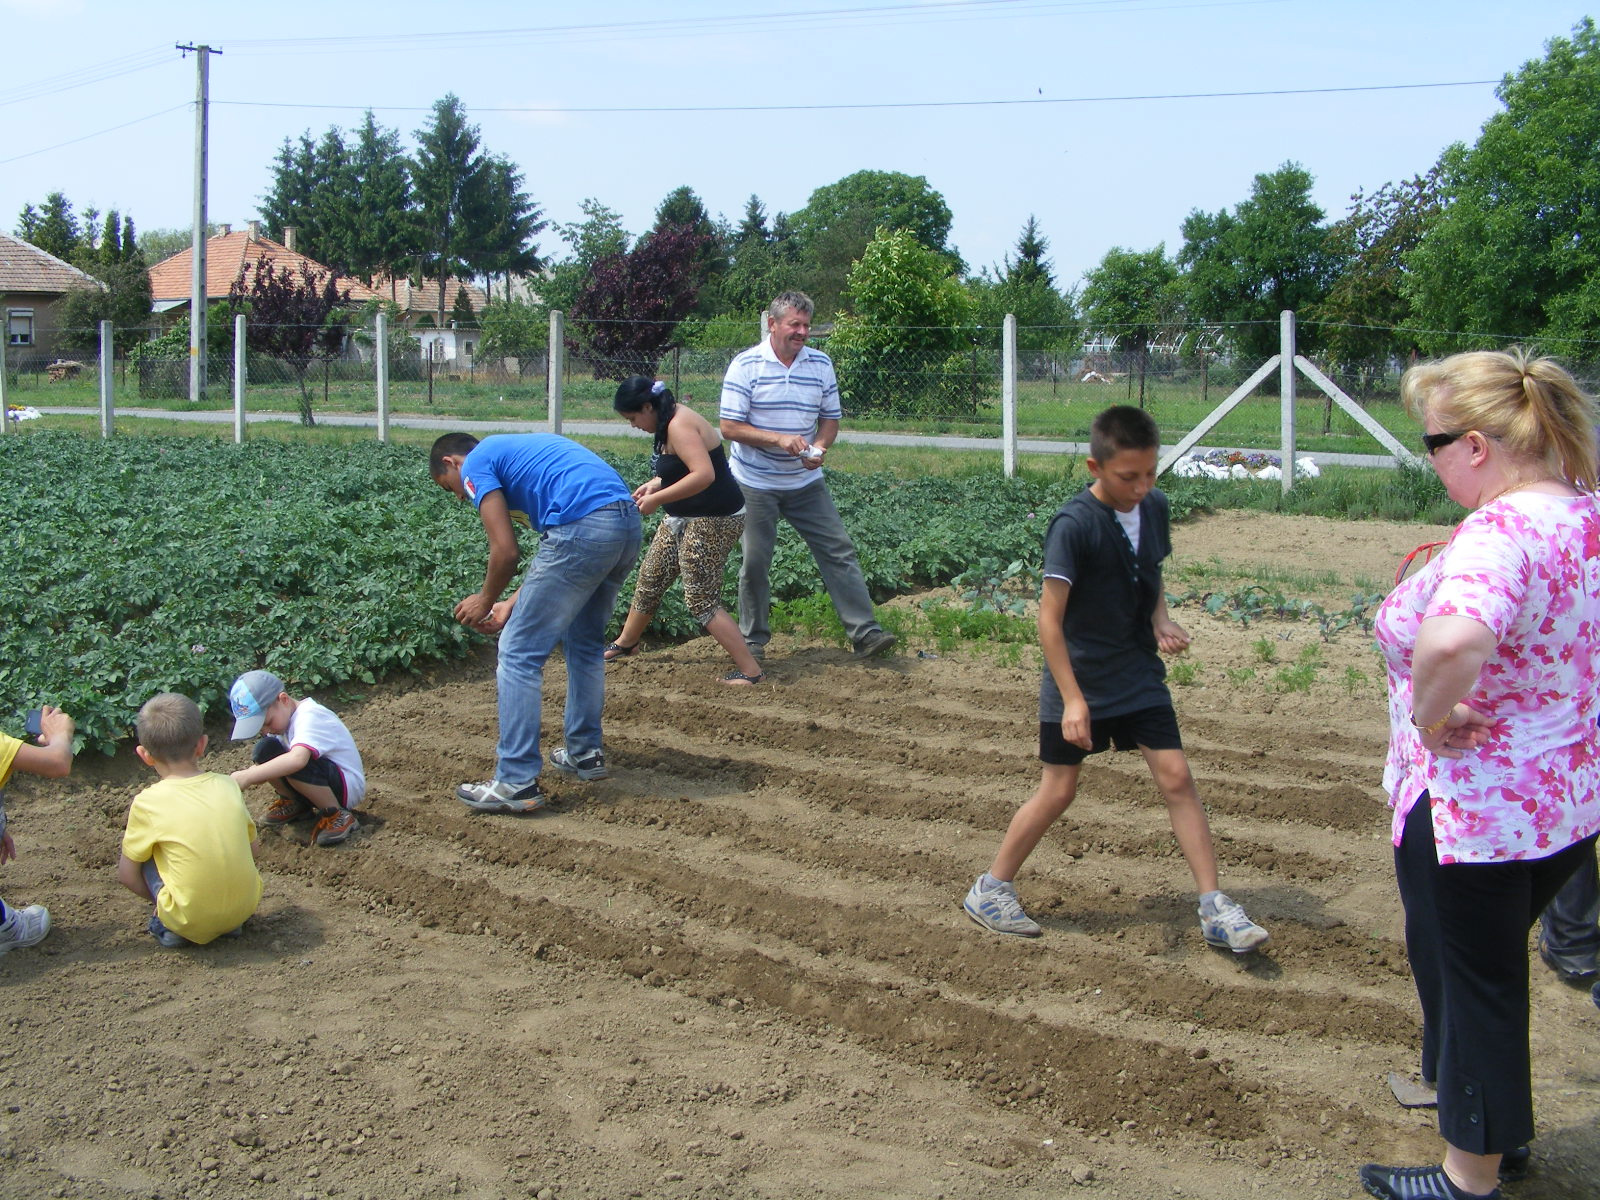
1149,729
319,772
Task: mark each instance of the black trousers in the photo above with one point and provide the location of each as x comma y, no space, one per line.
1467,938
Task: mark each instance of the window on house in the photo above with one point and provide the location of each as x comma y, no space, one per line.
19,326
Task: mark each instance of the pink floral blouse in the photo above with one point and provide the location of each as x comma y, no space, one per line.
1527,567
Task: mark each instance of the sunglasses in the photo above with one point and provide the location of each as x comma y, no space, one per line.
1435,442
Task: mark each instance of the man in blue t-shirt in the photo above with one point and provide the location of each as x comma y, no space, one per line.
588,530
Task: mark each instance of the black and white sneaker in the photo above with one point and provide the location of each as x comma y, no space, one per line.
590,766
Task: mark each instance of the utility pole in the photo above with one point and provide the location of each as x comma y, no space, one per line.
197,292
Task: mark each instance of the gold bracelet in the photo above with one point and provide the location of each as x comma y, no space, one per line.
1428,731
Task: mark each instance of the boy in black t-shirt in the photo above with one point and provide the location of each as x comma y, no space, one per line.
1104,683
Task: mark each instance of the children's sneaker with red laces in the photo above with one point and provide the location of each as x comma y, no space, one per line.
285,809
336,825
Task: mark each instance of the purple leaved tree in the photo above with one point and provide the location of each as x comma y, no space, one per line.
295,317
626,316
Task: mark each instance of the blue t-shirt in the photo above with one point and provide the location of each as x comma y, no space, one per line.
548,480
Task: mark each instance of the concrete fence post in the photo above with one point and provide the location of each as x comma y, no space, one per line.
1286,395
241,369
107,367
381,362
558,358
1008,394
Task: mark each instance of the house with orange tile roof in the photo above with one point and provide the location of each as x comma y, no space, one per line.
231,251
227,254
32,283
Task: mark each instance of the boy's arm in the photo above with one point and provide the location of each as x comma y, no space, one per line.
51,755
291,760
1170,636
1053,642
130,875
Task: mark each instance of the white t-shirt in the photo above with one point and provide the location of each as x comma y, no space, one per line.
320,731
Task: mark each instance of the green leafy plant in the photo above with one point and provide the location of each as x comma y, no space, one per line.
1265,649
1185,672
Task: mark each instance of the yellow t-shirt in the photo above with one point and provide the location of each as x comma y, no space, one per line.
199,832
8,755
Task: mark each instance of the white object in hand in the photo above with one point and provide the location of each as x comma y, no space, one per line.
812,453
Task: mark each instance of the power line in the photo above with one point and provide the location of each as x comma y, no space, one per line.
891,104
924,11
87,136
114,68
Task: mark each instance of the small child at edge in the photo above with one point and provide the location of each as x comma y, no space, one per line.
190,845
1104,683
308,756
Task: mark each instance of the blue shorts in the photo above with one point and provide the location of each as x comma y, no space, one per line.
1147,729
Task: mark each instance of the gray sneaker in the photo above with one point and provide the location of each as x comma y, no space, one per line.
24,927
590,766
1226,926
999,909
875,643
495,796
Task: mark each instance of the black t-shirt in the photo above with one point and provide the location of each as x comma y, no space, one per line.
1110,639
721,498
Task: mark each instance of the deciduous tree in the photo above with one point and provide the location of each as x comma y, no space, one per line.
839,219
1132,295
626,317
515,329
906,344
1515,249
297,317
1271,253
1365,314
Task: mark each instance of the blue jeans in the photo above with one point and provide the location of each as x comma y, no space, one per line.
567,597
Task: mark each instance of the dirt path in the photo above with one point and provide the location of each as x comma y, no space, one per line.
739,967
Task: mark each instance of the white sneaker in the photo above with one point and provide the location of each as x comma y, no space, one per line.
495,796
1227,926
24,927
998,909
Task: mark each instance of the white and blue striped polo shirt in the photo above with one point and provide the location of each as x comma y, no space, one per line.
759,390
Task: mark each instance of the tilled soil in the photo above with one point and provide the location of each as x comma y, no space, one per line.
739,967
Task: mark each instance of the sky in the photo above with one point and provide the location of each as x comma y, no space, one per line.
1109,121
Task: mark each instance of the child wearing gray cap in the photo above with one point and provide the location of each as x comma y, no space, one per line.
307,755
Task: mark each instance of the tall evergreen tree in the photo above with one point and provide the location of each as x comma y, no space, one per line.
753,226
450,176
294,180
505,244
110,247
57,231
383,233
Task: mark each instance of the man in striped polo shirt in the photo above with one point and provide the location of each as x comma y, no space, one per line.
780,408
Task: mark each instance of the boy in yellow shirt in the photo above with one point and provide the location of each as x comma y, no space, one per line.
190,844
50,756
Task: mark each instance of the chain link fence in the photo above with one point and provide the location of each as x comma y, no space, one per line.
892,379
